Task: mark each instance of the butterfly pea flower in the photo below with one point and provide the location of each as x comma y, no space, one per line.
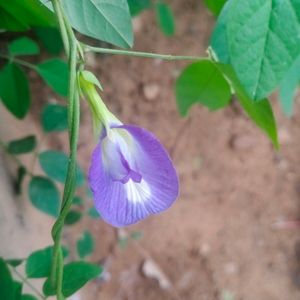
131,175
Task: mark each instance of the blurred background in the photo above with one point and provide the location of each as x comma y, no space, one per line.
233,234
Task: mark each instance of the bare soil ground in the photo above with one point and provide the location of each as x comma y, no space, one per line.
220,237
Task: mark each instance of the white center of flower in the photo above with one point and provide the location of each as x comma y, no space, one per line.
137,192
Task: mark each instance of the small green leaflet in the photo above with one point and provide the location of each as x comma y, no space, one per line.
44,195
23,46
73,217
14,262
77,201
38,264
137,6
260,112
76,275
6,282
14,90
18,286
20,15
288,88
215,6
263,42
90,77
56,75
23,145
21,172
28,297
165,18
85,245
54,118
55,164
202,82
109,21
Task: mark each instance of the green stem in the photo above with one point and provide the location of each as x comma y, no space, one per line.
18,61
88,48
69,188
24,280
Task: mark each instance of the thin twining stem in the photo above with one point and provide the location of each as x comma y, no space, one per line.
88,48
18,61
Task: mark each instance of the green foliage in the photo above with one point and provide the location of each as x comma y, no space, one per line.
76,275
28,297
55,73
44,195
14,90
85,245
20,15
73,217
38,264
288,87
137,6
50,39
54,118
23,145
202,82
90,77
93,213
215,6
260,112
263,42
165,18
55,163
98,19
77,201
17,290
6,282
23,46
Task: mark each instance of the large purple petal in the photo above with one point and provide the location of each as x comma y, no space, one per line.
122,204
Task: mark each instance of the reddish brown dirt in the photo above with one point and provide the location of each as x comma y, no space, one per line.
220,235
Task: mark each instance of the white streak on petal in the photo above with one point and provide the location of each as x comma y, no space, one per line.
137,192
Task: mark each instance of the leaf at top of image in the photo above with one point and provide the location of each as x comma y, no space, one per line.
263,42
165,18
108,21
14,90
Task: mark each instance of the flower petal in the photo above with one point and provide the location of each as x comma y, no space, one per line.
122,204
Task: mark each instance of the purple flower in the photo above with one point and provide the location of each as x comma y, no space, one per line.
131,175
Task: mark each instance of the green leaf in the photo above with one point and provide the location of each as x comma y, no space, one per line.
260,112
20,15
137,6
76,275
165,18
18,286
215,6
109,21
85,245
55,163
38,264
202,82
14,262
54,118
23,46
288,87
23,145
55,73
50,39
44,195
14,90
28,297
264,41
93,213
6,282
73,217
